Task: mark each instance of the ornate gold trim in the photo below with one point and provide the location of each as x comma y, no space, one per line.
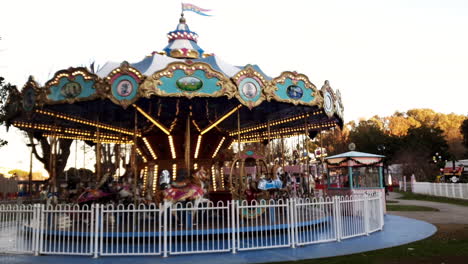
31,84
339,103
180,54
150,85
295,77
327,88
71,73
250,72
124,69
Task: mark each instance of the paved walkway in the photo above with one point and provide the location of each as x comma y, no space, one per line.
397,231
448,213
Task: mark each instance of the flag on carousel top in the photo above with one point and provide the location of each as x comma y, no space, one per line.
194,8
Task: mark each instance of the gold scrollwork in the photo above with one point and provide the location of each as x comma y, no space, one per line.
250,72
70,74
326,88
151,85
295,78
31,84
124,69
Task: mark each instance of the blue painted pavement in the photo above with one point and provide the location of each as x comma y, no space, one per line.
397,231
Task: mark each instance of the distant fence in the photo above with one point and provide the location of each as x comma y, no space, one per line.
106,230
451,190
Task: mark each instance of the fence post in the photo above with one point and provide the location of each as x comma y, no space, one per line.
233,226
366,213
165,216
461,190
292,221
404,183
337,215
36,228
95,217
381,204
42,226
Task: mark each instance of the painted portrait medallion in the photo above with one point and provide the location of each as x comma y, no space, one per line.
29,99
294,92
71,90
249,90
124,88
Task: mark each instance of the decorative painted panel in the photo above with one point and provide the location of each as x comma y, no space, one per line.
124,85
251,87
188,80
295,88
74,84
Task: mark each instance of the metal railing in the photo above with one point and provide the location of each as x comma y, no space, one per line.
107,230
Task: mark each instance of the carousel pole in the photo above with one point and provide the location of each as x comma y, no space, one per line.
306,149
268,144
84,154
53,142
98,155
282,151
238,133
117,155
133,158
187,144
76,152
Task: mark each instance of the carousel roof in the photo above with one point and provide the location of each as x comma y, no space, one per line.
168,87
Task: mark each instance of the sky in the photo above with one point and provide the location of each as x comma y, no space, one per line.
383,55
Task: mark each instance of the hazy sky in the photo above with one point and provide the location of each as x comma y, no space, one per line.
384,56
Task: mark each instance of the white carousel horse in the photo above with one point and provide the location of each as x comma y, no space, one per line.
275,183
191,192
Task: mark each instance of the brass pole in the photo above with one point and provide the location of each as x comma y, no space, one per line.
84,154
187,146
238,131
76,152
306,146
268,151
98,156
282,151
134,165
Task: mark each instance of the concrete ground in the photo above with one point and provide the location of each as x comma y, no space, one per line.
397,231
448,213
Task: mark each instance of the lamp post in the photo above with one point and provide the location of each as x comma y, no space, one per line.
381,149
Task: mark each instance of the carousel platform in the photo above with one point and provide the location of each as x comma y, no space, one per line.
397,231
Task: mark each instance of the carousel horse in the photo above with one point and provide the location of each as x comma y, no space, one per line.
105,192
189,191
275,183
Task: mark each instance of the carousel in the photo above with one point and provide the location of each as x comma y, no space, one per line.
192,155
184,124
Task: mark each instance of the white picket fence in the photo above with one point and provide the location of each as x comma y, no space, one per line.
451,190
106,230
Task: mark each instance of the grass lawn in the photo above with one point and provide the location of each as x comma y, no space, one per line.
391,201
423,197
397,207
448,245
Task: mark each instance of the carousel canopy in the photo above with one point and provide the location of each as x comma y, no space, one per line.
170,96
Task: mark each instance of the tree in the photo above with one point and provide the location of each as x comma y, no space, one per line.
59,155
368,135
417,149
398,124
7,92
464,131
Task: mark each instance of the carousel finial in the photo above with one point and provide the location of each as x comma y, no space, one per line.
182,18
